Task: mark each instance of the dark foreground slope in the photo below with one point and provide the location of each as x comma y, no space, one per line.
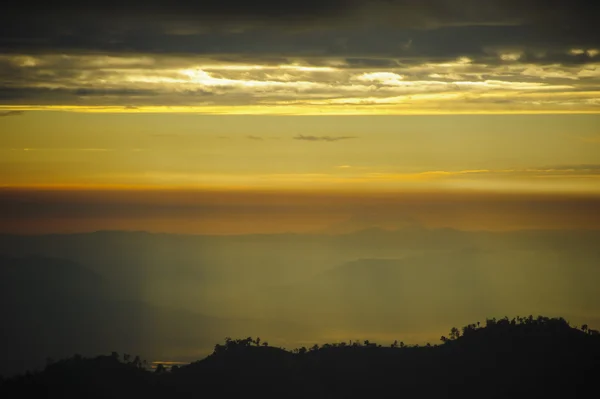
519,358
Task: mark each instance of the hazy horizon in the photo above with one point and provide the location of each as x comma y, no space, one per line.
172,173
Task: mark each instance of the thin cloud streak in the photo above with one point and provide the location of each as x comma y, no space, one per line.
323,138
11,113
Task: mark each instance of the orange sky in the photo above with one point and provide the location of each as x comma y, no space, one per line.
241,212
72,171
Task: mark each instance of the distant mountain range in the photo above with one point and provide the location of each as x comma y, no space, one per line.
53,307
172,296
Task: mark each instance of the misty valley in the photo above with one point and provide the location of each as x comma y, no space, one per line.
170,297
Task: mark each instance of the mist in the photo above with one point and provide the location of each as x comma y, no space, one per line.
173,296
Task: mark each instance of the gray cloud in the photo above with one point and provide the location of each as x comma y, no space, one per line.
403,12
133,54
353,28
131,80
322,138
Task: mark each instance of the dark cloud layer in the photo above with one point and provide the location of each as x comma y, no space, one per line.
325,27
156,53
413,13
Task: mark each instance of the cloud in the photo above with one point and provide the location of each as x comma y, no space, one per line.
402,12
323,138
256,138
313,85
553,170
11,113
586,167
352,28
564,173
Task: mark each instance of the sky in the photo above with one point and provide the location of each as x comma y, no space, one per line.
311,161
299,116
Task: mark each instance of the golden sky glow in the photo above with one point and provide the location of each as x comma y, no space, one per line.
294,164
548,153
395,96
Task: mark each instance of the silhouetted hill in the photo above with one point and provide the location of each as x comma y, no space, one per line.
51,308
519,358
175,295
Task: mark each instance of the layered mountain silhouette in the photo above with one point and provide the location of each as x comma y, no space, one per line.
52,308
170,296
524,357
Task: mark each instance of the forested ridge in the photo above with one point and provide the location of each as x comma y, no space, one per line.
519,357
